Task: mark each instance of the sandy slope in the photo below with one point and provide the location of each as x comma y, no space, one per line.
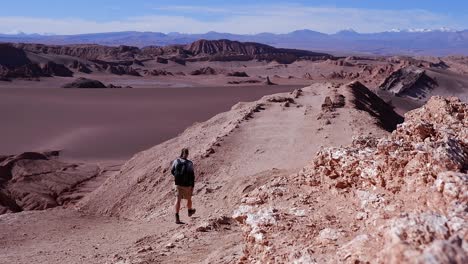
109,124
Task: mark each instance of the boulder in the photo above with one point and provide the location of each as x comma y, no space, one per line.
204,71
238,74
162,60
84,83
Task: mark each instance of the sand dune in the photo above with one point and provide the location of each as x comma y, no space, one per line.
109,124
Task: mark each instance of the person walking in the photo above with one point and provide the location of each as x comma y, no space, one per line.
184,179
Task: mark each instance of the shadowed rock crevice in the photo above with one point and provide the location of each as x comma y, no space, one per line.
368,101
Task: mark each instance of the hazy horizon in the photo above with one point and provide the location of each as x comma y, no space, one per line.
407,30
243,17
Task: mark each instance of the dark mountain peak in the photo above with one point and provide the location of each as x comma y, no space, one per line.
224,49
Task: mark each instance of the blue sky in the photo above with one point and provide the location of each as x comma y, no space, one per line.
90,16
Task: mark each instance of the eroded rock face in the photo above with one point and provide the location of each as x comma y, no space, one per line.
54,69
81,67
406,80
399,199
36,181
27,71
228,50
88,52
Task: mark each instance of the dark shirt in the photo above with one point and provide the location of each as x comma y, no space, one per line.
183,172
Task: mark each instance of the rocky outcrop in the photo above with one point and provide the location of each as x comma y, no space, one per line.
406,80
162,60
398,199
330,105
26,71
36,181
14,63
53,69
170,50
84,83
224,46
204,71
419,62
268,81
86,52
227,50
244,82
308,76
360,98
121,70
80,67
238,74
343,75
178,60
158,73
366,100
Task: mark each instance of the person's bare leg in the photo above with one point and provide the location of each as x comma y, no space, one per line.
189,203
177,205
191,211
177,209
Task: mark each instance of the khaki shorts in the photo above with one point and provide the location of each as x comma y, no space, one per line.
183,192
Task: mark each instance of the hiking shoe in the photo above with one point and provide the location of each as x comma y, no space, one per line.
177,219
191,212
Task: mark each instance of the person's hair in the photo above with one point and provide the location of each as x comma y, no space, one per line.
184,152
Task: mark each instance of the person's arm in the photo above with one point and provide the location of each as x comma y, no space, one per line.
173,169
192,177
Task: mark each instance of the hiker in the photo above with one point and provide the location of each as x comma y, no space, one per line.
184,178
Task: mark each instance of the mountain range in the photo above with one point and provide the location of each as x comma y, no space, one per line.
440,42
